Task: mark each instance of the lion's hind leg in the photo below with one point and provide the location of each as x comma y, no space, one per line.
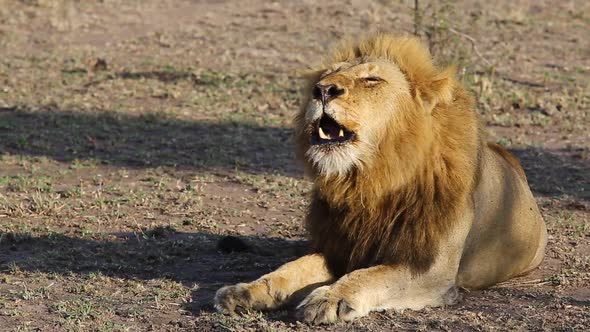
290,282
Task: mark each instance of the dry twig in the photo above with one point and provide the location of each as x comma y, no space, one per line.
473,44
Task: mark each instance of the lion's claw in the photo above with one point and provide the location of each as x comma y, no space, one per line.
232,300
323,306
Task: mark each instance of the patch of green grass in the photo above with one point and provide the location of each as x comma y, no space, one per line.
44,204
26,183
214,79
78,310
505,142
27,293
11,237
73,192
570,221
158,232
540,119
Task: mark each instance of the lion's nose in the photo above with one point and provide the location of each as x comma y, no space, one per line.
325,93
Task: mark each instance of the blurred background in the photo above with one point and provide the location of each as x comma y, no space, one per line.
134,134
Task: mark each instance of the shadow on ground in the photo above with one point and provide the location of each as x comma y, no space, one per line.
189,258
154,140
146,141
557,173
195,258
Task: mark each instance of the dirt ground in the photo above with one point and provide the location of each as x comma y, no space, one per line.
136,134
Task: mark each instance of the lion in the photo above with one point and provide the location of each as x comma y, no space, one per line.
409,203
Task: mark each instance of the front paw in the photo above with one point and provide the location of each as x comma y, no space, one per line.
325,306
234,299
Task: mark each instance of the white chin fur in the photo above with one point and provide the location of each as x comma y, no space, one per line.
338,160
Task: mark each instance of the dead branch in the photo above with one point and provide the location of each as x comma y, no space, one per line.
473,45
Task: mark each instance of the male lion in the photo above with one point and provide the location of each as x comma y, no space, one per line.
409,201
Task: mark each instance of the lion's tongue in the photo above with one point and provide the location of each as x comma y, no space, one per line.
330,130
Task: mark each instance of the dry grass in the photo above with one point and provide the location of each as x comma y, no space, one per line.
133,137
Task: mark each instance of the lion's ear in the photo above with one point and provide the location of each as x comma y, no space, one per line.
442,85
436,90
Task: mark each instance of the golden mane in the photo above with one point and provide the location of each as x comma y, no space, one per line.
396,211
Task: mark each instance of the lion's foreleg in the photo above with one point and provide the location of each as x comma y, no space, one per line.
290,282
376,288
396,287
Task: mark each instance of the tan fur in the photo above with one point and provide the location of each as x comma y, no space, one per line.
509,158
409,208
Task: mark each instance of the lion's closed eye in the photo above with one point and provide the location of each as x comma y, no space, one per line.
373,80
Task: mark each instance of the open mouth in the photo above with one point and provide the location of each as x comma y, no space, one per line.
328,131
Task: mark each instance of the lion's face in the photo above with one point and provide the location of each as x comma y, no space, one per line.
350,108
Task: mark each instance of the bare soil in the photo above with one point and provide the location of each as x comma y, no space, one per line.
134,135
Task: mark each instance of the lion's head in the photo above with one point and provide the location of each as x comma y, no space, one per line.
371,103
